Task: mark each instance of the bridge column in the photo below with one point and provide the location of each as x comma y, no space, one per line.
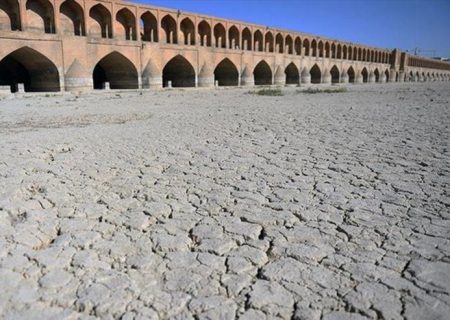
23,15
392,75
401,76
280,77
206,76
247,78
326,78
344,76
372,77
305,76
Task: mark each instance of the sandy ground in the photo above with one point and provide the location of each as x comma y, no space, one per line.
222,204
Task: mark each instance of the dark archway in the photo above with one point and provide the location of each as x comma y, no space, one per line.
180,72
102,26
233,38
268,40
40,16
262,74
9,15
387,75
289,45
292,74
170,29
127,21
149,27
226,73
365,75
316,74
204,32
351,75
279,43
117,70
306,48
219,36
72,18
246,39
188,32
335,77
31,68
377,75
258,41
298,46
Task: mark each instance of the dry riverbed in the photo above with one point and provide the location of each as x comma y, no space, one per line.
218,204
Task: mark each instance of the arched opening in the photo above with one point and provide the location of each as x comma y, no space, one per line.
334,75
306,48
246,39
149,27
204,31
188,31
117,70
9,15
258,41
298,46
333,51
279,43
396,77
269,42
365,75
180,72
314,48
219,35
226,73
387,75
327,50
102,26
350,53
233,36
355,54
344,52
316,74
292,74
351,75
321,50
30,68
40,16
262,74
377,75
289,45
359,54
72,18
127,21
169,26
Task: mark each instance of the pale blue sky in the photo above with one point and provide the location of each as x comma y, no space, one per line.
407,24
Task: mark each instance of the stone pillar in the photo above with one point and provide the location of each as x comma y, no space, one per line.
5,90
392,75
326,78
344,77
280,76
151,76
359,78
401,76
247,78
77,78
206,76
305,76
372,77
382,78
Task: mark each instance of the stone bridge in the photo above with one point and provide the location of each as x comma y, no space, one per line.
75,45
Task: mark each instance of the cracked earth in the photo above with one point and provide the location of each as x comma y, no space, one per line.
222,204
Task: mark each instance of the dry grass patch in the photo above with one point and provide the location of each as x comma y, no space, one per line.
327,90
272,92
